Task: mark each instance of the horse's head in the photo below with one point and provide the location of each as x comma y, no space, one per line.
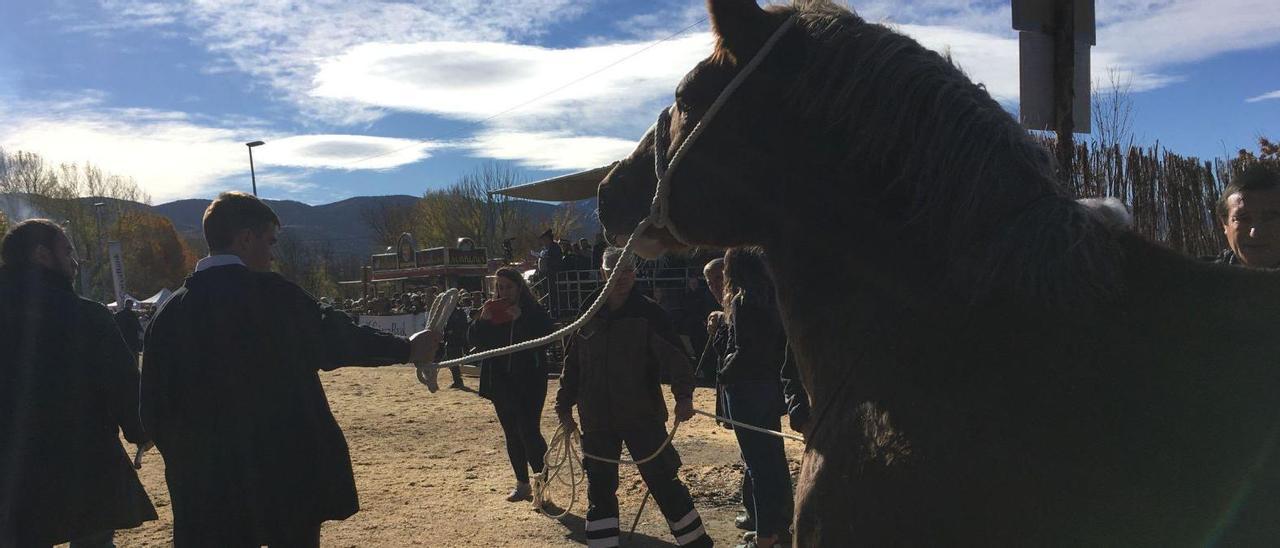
727,185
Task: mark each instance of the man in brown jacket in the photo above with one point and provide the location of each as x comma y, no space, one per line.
612,371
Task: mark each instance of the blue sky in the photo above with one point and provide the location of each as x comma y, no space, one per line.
363,97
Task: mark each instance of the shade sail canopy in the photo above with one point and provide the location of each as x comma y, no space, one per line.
565,188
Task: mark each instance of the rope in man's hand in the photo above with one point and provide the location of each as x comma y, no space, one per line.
437,317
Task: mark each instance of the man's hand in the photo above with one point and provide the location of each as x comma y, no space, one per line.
684,410
423,346
566,420
714,320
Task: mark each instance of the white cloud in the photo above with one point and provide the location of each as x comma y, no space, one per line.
347,152
280,42
477,80
351,62
585,96
1160,34
552,150
1264,97
168,158
175,155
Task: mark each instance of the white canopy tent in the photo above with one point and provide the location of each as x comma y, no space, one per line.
127,297
155,300
159,298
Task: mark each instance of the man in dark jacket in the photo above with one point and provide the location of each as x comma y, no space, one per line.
130,327
550,262
230,391
612,370
68,385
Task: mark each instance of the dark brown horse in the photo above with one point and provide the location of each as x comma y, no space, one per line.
990,363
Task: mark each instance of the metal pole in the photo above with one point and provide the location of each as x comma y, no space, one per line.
1064,72
492,227
102,240
252,175
101,252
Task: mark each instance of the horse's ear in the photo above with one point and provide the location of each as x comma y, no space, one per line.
738,24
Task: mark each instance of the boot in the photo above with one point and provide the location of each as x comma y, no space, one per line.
522,492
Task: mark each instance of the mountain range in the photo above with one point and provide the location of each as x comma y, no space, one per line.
339,223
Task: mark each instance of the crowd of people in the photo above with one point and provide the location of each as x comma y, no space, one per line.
393,304
229,391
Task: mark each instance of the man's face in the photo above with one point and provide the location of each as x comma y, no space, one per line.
1252,227
625,280
61,259
715,282
255,248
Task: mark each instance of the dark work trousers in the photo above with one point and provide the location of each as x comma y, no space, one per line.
105,539
283,536
759,403
521,426
659,476
748,493
300,537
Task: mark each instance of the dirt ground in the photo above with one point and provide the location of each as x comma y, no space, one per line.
432,471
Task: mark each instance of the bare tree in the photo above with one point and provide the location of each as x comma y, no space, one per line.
1112,107
389,221
67,193
567,220
471,207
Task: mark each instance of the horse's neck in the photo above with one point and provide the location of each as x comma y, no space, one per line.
837,304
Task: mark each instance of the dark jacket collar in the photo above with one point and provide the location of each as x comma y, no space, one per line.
633,306
35,276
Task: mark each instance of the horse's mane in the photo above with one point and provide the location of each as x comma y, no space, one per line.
951,161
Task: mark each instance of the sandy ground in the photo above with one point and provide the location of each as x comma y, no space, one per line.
432,471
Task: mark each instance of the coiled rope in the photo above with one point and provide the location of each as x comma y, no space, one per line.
564,453
437,317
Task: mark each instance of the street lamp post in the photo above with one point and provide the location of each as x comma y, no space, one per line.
251,173
100,260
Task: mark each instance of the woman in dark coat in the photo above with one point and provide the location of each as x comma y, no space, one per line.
68,385
515,383
751,375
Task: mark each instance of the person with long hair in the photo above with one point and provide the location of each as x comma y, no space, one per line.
515,383
750,375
